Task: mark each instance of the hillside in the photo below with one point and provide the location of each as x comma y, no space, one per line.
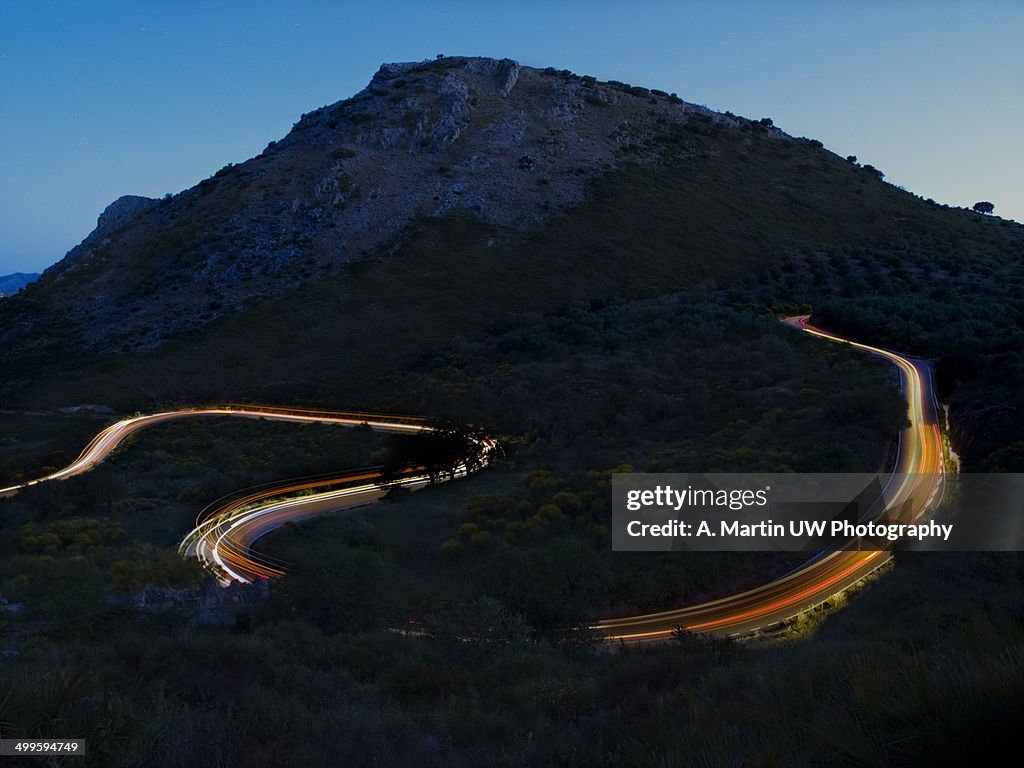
448,201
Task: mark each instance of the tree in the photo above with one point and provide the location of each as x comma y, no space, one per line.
874,171
983,207
442,451
851,159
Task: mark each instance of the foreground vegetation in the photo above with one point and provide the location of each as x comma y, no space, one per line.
891,680
410,649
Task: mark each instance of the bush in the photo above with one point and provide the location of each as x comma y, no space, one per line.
874,171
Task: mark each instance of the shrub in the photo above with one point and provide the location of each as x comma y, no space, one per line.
874,171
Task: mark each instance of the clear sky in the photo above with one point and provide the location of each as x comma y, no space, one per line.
105,98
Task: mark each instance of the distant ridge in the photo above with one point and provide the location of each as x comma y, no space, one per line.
10,284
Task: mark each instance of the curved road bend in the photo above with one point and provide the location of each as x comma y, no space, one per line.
223,537
917,481
108,439
224,534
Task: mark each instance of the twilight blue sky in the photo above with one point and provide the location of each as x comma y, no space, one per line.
106,98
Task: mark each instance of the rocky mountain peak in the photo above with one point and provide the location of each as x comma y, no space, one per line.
509,145
503,73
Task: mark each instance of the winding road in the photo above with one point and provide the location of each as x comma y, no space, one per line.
916,485
225,532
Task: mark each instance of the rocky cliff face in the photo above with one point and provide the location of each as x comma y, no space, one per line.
510,145
114,216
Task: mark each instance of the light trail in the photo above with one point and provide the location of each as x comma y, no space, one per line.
919,471
225,532
108,439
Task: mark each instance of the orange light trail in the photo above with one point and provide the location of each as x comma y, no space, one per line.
919,472
224,533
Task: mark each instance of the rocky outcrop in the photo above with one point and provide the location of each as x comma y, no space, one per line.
454,110
504,72
120,212
210,602
115,216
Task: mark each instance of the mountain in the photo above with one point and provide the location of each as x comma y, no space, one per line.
507,146
451,199
10,284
